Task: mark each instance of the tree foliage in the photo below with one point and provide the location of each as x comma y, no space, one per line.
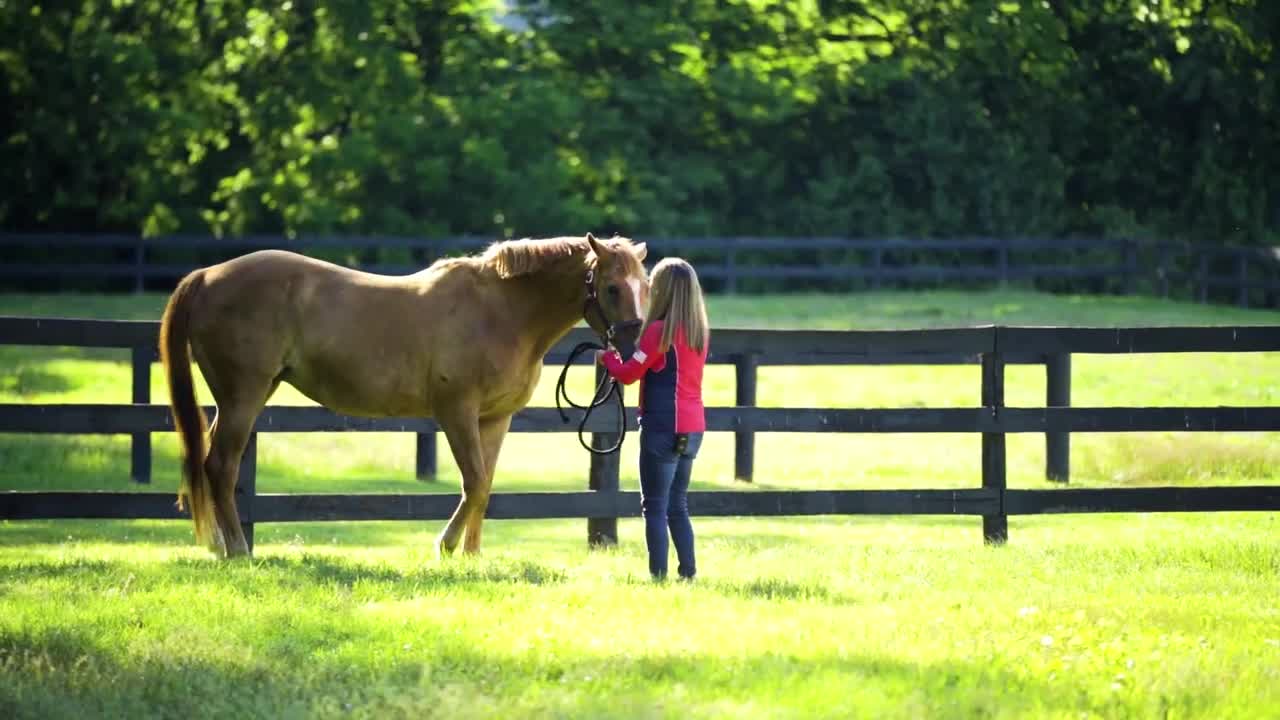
825,117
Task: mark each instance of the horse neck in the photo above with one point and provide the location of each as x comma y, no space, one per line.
548,303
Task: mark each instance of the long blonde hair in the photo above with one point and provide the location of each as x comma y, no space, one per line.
675,296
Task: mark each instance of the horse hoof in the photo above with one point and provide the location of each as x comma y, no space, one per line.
239,553
442,551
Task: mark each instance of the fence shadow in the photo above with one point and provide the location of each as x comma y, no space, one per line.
309,569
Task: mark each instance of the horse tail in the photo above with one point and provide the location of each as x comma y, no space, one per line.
195,493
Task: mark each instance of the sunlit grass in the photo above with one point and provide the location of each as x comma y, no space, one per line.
1140,617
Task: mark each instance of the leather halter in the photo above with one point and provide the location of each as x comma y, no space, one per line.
606,386
592,305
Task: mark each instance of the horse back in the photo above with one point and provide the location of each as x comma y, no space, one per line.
362,343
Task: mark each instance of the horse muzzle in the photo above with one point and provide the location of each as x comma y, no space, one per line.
623,337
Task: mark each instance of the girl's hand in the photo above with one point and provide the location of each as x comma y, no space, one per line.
599,356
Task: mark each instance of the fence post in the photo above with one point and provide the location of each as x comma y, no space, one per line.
604,477
426,463
1004,262
744,441
1242,279
247,487
1130,266
139,265
995,528
1057,455
1162,271
1203,277
425,466
140,456
731,272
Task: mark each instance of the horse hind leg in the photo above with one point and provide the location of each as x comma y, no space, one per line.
237,412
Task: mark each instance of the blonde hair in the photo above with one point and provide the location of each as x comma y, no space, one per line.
675,296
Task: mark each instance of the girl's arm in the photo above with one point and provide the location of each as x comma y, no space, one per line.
645,357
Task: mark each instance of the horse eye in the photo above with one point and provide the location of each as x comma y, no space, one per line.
613,291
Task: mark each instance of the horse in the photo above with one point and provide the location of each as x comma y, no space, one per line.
461,341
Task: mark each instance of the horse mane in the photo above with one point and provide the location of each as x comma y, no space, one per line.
517,258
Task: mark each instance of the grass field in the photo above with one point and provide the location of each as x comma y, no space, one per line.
1078,616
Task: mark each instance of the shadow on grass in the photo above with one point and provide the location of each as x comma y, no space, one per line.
295,672
310,569
29,380
778,589
270,577
737,535
50,462
83,569
66,462
176,533
16,355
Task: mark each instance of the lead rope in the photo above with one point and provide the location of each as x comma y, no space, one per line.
604,389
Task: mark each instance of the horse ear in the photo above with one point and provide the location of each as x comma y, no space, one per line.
597,247
641,250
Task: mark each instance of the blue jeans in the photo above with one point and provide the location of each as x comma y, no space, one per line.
664,499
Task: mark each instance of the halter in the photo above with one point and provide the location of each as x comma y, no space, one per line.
592,305
607,386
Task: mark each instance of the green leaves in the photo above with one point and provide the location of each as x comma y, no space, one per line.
740,117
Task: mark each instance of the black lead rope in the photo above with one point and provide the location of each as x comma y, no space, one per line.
607,387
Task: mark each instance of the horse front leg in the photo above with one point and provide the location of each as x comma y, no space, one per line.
462,429
492,433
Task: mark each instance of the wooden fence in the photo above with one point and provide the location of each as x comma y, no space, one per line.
731,347
1245,276
604,502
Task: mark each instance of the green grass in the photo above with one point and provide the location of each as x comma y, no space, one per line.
1078,616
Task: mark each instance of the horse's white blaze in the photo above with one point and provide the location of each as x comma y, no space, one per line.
635,290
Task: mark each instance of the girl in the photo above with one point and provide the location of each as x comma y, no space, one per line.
668,361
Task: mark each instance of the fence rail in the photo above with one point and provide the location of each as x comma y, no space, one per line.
746,350
604,502
89,419
1243,275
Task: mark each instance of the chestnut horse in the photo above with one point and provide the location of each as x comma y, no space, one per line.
461,341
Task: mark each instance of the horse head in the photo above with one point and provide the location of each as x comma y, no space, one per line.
617,290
